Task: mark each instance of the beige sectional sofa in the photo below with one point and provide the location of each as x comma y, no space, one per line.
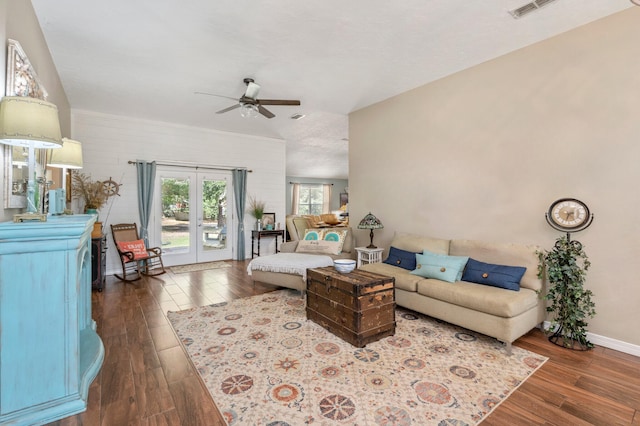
497,312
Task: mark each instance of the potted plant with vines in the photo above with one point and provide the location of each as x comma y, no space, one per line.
256,209
565,268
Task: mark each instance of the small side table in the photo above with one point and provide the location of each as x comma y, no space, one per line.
369,255
256,235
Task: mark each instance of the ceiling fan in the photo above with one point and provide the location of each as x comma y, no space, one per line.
249,104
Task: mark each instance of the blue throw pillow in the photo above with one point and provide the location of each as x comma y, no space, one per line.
502,276
401,258
440,266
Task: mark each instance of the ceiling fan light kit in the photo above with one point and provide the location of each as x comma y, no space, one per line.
249,111
249,104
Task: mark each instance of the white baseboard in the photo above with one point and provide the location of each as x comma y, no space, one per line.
604,341
617,345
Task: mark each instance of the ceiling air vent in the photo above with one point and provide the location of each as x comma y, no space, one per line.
529,7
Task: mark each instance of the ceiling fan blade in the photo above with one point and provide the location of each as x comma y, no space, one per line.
278,102
213,94
232,107
262,110
252,90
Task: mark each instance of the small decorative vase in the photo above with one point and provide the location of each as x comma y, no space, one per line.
91,211
258,225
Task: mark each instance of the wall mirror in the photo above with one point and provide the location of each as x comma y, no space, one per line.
16,174
22,80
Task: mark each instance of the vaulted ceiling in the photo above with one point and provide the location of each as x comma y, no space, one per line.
147,58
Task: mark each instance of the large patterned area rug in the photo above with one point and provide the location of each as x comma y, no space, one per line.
198,267
264,363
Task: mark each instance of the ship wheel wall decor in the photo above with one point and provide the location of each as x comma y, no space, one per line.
110,187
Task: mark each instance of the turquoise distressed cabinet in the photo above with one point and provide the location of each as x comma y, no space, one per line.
49,349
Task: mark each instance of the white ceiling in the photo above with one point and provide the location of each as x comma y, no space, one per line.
146,58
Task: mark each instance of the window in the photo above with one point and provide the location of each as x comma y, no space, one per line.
310,199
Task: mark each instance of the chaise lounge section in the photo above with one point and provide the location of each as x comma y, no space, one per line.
288,268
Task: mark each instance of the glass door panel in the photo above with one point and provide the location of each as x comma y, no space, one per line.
214,240
175,235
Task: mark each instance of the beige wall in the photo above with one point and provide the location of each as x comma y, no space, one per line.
18,22
482,154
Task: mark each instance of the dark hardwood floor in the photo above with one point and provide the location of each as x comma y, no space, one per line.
147,379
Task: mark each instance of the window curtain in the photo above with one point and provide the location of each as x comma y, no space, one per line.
326,198
146,178
240,195
295,197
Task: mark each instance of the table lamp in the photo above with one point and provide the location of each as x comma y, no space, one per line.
67,157
31,123
370,222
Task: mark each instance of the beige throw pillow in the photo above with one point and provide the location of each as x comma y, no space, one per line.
318,247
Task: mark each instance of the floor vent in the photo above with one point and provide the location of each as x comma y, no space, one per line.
529,7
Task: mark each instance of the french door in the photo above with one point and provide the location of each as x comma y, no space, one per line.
196,220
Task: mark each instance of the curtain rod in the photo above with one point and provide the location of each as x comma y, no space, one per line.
196,166
311,183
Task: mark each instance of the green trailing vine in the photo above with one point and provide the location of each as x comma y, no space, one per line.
565,268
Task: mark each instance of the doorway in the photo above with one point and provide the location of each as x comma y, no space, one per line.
196,220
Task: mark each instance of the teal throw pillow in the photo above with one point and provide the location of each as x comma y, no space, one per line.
502,276
439,266
312,235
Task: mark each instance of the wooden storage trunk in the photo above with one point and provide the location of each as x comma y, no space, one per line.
358,307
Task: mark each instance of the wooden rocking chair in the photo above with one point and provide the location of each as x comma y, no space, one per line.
136,259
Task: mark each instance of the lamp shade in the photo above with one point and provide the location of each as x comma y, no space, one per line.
370,222
29,122
69,156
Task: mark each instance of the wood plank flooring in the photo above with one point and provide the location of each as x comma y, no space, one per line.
147,379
